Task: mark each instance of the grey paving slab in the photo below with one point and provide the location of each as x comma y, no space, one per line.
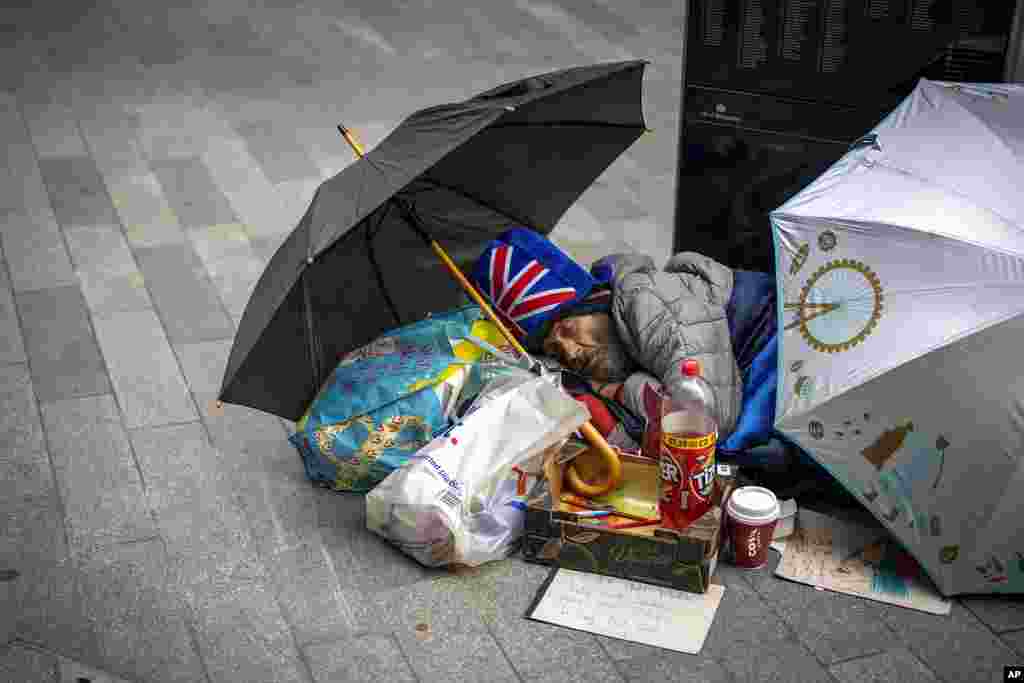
329,151
191,192
110,133
744,621
601,671
439,603
54,130
499,589
593,44
1015,639
22,190
668,667
609,202
655,191
506,31
448,601
35,251
63,354
241,434
12,348
649,15
220,243
578,664
642,235
168,127
145,374
50,610
652,153
894,665
107,273
600,16
8,610
96,473
139,618
182,293
280,156
230,261
70,671
183,476
112,137
32,517
252,196
284,509
366,659
27,665
536,648
77,192
460,656
243,636
34,530
785,661
147,216
957,647
1000,613
370,563
833,626
21,432
403,33
295,196
266,247
620,650
311,592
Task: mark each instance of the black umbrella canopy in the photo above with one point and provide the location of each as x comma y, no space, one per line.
360,263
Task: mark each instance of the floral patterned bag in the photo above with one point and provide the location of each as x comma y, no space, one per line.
388,399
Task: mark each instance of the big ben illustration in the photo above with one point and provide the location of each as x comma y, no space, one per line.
890,441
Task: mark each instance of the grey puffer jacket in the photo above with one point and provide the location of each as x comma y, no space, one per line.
676,313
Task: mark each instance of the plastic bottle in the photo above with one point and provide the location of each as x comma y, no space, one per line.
689,430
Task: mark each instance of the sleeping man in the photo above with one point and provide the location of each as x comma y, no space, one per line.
625,326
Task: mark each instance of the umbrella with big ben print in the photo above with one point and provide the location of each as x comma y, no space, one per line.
900,275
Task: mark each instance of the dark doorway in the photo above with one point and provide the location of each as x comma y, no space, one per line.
776,90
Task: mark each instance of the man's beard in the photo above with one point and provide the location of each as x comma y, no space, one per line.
608,362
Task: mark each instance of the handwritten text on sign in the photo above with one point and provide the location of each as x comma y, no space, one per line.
653,615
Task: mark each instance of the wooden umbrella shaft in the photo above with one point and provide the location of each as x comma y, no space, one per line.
475,295
593,437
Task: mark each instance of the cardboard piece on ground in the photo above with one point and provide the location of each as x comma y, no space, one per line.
847,557
628,610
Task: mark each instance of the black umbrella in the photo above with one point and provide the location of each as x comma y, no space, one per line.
365,256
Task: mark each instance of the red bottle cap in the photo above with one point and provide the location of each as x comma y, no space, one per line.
691,367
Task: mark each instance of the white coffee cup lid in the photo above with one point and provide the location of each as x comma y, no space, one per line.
753,505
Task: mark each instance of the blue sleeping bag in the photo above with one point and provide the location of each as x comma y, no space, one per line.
753,326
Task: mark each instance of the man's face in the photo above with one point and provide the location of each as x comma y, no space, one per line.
589,345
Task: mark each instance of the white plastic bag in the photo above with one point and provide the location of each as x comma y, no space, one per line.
456,500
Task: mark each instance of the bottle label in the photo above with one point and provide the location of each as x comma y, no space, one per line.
691,443
687,468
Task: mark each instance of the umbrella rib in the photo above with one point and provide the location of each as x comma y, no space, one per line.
314,346
482,202
371,252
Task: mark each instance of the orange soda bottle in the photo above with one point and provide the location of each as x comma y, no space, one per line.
689,433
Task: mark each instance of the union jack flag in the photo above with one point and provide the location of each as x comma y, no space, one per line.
521,288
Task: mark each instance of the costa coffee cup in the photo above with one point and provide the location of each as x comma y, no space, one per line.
752,513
